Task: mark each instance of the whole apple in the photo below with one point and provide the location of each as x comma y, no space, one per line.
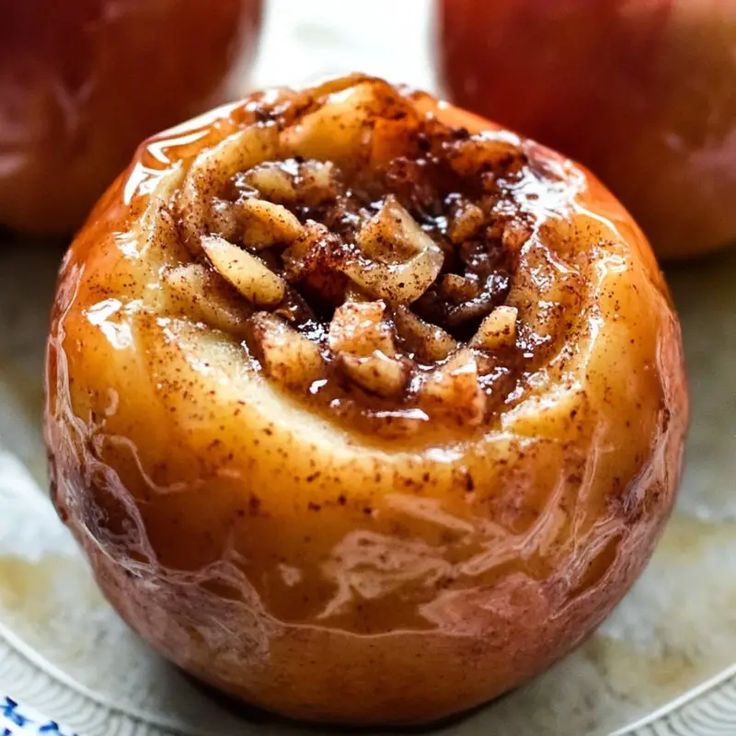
83,81
346,488
643,92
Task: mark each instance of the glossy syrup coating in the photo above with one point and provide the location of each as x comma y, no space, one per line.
283,551
82,82
641,92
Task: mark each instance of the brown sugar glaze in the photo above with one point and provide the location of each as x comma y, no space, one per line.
421,425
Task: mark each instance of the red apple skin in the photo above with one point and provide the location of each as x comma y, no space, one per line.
83,81
641,91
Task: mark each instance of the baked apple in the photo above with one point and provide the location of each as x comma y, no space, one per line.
363,408
83,81
642,92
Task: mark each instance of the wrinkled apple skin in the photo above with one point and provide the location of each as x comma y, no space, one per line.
644,93
327,574
83,81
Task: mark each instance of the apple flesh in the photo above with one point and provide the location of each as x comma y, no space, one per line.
83,81
644,93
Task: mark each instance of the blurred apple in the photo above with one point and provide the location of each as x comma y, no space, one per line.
642,91
82,82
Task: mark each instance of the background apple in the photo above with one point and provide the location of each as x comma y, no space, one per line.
642,91
82,82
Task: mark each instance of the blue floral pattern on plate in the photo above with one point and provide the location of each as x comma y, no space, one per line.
16,720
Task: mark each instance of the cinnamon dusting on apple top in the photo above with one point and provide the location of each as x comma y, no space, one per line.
368,256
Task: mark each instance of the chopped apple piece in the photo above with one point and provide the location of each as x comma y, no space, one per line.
467,219
425,340
273,182
202,295
364,343
484,151
290,182
250,276
453,389
497,330
459,288
358,328
377,373
390,234
287,356
266,224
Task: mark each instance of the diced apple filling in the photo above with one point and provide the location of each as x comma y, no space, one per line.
371,276
288,356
